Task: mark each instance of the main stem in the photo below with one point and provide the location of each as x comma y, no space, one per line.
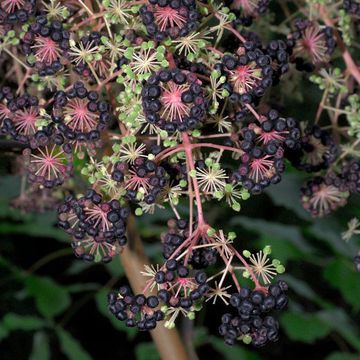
133,258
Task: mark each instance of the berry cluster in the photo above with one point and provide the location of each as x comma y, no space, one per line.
16,12
49,166
177,287
311,44
81,67
19,116
176,235
322,195
248,74
174,100
352,7
169,18
317,150
278,50
79,114
135,310
351,176
44,44
264,143
144,180
252,324
246,11
357,263
97,227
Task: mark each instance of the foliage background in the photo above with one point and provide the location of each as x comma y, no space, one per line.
53,306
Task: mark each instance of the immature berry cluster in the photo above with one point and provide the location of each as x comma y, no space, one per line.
252,322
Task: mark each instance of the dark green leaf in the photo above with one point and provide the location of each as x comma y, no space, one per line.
340,274
40,349
304,327
115,268
51,298
329,231
146,351
4,332
71,347
341,322
343,356
277,231
303,289
14,322
75,288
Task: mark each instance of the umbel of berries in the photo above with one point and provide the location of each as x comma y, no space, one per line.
265,142
169,18
322,195
49,165
311,44
248,74
174,100
20,115
79,114
253,323
179,287
97,227
317,150
44,44
144,180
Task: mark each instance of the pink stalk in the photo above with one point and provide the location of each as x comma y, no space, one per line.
212,49
258,286
189,159
254,112
216,146
228,27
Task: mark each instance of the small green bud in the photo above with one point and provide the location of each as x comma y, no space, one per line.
138,212
246,253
